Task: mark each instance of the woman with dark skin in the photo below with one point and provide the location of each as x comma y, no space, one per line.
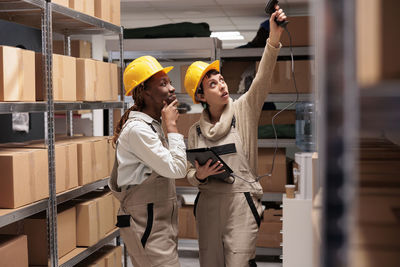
147,164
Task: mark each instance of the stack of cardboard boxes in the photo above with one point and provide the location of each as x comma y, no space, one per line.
108,256
77,79
74,79
374,239
79,161
107,10
186,222
80,223
269,235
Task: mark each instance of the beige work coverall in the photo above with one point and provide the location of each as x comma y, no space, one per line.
228,215
152,237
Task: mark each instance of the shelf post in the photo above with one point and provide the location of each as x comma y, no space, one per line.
338,125
47,51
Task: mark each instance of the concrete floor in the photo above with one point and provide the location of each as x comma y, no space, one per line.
194,262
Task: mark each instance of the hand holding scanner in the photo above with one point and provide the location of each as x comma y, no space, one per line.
270,8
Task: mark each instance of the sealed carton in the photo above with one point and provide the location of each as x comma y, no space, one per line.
13,250
24,176
275,183
64,78
17,74
36,229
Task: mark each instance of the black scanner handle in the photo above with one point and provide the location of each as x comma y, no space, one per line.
270,8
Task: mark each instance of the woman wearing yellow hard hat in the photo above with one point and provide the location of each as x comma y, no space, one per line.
146,165
228,210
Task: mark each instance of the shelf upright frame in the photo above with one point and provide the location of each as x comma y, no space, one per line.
47,51
338,126
69,120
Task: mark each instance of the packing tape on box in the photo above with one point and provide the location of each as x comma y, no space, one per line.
32,176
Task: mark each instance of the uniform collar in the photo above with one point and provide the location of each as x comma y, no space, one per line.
143,116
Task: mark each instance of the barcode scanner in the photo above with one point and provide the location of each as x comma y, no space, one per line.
270,8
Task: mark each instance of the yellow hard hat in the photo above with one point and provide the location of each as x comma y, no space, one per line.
195,74
141,69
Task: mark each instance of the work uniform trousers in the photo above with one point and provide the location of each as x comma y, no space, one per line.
227,228
151,239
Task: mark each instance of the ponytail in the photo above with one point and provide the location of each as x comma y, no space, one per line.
137,95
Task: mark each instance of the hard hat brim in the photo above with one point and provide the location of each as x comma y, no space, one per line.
213,66
166,70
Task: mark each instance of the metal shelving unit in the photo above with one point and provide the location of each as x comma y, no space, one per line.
270,143
185,98
8,216
252,53
338,123
81,190
9,107
81,253
50,17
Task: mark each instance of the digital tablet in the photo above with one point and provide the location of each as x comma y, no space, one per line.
202,155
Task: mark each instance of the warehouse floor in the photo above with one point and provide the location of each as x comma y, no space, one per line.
194,262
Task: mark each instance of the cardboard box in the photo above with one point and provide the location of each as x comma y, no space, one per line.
24,176
116,205
87,223
36,229
286,117
100,158
275,183
103,81
364,256
269,235
185,121
182,182
272,215
66,163
13,251
86,6
377,41
116,12
114,76
64,78
282,81
111,154
105,210
232,72
382,203
114,257
86,172
86,80
17,74
107,256
61,2
93,159
299,28
186,223
79,48
102,9
66,159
